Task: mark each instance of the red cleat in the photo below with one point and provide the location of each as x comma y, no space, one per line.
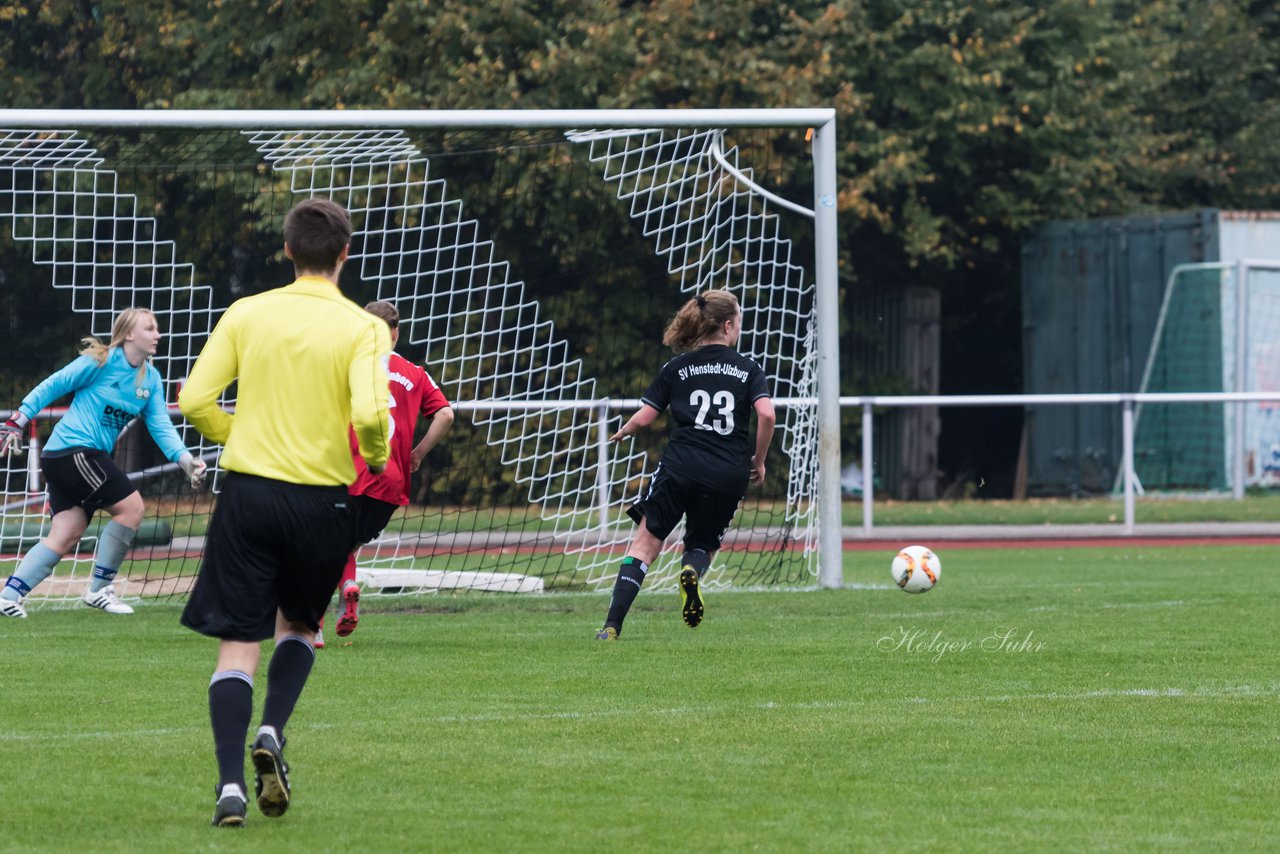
351,614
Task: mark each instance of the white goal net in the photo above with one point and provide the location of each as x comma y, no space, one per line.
533,270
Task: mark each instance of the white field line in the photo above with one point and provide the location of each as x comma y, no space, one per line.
1168,603
1187,693
920,615
1202,692
115,734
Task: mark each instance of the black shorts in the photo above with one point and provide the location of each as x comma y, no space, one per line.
270,545
707,512
83,477
368,517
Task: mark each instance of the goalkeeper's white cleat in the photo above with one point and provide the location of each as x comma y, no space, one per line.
107,600
10,608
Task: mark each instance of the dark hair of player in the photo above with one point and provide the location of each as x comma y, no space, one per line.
316,231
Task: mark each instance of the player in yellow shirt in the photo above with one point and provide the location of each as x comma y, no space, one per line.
307,362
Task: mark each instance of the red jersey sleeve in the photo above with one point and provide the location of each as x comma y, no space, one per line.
433,399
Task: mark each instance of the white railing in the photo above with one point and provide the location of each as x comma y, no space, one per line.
605,407
1125,400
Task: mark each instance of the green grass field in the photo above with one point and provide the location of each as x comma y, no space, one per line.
1084,699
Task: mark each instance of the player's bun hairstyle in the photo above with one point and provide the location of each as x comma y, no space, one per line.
699,318
316,231
124,323
385,310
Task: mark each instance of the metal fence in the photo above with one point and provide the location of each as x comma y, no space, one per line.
1126,401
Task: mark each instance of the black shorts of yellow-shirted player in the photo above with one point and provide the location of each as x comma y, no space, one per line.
710,458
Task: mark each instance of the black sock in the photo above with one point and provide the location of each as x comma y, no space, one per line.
230,708
698,559
286,676
625,589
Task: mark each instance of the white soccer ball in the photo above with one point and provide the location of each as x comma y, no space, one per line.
916,569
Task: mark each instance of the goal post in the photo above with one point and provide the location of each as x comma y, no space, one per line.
1218,330
175,209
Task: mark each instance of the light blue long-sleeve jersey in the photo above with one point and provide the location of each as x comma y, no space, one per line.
107,398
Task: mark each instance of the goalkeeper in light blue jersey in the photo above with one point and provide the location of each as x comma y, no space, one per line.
112,385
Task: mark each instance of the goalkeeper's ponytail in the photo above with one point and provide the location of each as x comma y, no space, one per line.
94,349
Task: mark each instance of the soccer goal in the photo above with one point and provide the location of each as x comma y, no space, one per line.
1218,330
534,258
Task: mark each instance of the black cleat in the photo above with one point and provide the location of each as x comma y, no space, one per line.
229,811
270,776
690,597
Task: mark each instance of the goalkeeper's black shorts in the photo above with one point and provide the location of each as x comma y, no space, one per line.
270,545
83,477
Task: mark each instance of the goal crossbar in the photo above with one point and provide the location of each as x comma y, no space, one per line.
461,119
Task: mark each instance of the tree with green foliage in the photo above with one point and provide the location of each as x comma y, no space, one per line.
961,126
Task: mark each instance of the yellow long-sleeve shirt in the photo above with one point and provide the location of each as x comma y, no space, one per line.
308,362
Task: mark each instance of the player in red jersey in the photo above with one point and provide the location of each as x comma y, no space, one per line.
375,497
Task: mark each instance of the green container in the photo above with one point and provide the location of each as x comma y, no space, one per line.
1091,297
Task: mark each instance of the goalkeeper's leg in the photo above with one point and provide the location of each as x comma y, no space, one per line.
114,544
38,563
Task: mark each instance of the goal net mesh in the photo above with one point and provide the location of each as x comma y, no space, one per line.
533,271
1197,348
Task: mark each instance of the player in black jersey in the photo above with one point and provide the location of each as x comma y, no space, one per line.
712,391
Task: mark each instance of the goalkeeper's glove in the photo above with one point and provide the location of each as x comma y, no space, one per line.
194,469
11,435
